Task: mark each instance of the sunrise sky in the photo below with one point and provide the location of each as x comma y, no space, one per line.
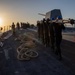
27,10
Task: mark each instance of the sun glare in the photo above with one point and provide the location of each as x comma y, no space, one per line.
1,21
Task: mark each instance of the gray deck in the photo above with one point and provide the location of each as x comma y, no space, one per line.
45,64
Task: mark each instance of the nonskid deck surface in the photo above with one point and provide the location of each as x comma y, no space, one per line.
45,64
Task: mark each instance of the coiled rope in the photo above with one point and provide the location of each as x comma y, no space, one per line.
25,50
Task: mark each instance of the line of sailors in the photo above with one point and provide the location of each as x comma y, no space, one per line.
13,28
18,26
51,34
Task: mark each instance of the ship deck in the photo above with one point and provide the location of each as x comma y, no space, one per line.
46,63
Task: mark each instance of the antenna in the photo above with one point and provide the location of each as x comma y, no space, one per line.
41,14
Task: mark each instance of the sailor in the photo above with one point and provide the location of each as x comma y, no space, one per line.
46,32
18,26
51,34
38,25
58,27
13,29
42,31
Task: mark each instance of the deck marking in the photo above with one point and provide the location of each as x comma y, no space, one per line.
32,29
7,36
6,54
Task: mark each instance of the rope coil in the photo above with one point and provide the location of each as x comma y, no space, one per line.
24,50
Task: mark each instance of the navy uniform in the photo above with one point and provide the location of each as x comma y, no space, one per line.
42,32
45,32
18,26
58,27
51,34
46,28
13,29
38,25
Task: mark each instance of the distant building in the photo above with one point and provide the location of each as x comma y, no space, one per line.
53,14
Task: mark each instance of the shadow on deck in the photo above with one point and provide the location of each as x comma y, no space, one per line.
45,64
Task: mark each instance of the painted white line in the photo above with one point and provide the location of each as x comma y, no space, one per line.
68,33
6,54
7,36
32,29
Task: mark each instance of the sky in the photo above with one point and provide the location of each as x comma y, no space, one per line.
27,10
